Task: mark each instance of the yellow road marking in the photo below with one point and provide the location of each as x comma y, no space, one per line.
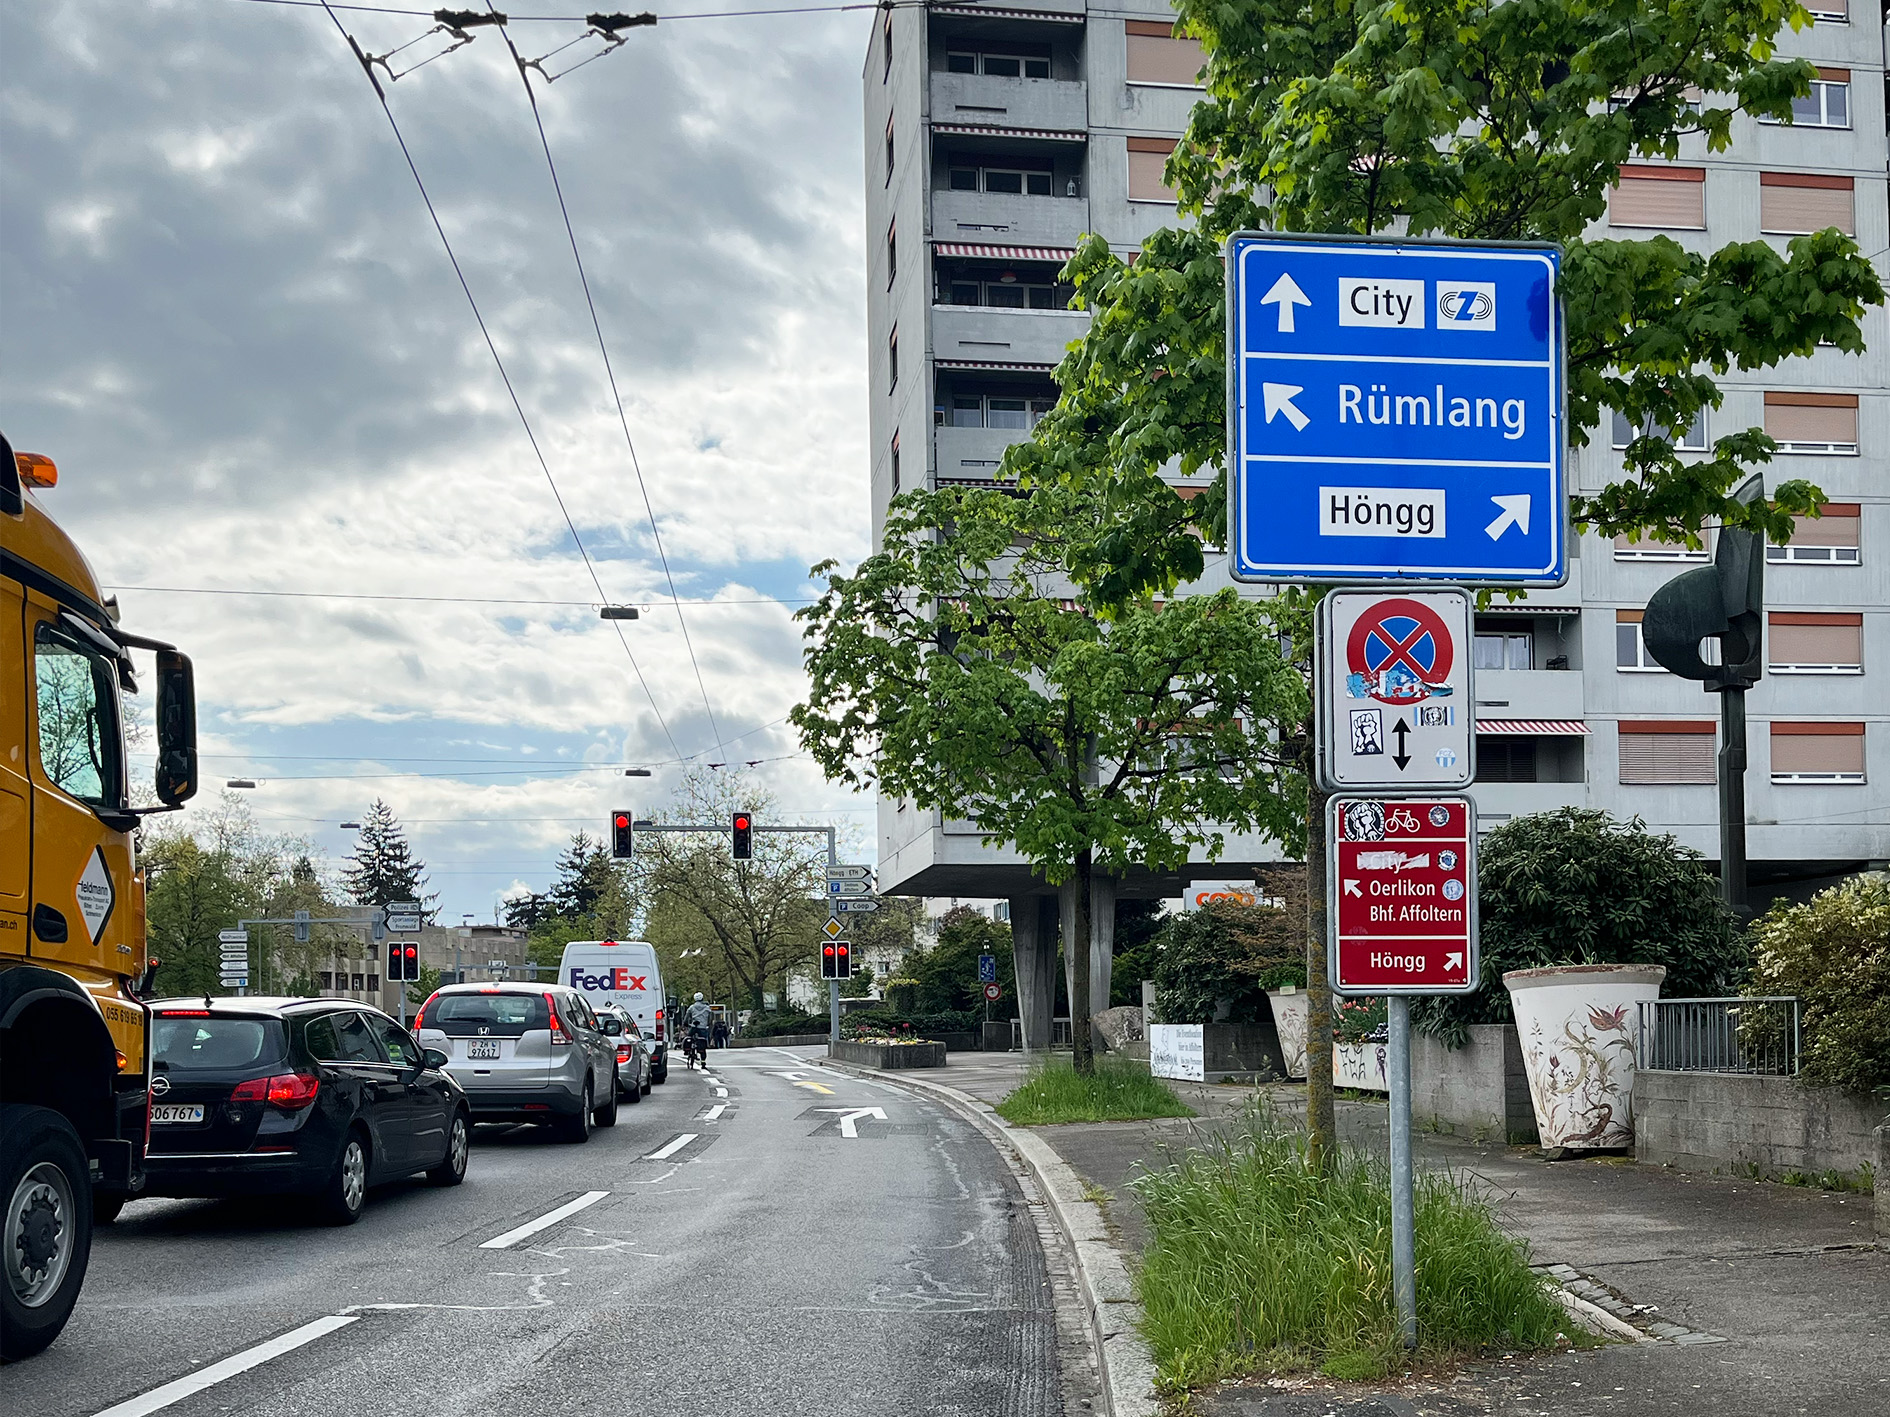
819,1087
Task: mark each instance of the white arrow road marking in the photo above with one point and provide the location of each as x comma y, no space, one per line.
663,1153
1515,510
849,1116
544,1222
1278,398
1453,961
1351,888
1285,294
159,1398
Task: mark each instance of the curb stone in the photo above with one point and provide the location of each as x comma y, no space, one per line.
1111,1312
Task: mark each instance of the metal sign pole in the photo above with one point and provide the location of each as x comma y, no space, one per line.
1403,1246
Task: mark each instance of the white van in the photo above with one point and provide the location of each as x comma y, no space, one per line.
625,973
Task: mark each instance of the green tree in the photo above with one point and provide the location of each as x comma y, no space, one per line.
1231,954
1575,886
382,867
1138,927
957,669
946,975
1833,955
583,877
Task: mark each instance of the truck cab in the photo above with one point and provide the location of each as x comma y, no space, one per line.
74,1046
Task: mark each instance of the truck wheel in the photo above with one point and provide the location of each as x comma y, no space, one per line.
45,1226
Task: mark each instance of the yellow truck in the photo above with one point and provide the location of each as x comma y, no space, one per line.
75,1075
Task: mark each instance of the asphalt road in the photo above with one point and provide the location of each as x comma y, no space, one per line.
772,1265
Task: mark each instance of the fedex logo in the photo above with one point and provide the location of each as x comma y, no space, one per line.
619,978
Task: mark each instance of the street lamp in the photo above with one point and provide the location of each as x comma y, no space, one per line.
240,782
636,772
617,612
350,826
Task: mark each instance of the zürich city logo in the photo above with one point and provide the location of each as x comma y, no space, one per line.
1466,305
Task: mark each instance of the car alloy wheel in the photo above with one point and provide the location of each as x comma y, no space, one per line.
353,1174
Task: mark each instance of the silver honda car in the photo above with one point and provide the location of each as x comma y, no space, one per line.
525,1053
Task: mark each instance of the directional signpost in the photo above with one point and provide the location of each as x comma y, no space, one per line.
1402,871
1396,695
233,966
1395,411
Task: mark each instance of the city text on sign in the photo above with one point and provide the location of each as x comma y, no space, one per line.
1401,895
1395,411
1396,689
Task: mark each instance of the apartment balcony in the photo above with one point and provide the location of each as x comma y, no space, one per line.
972,452
1046,105
1006,336
1499,802
1008,219
1529,693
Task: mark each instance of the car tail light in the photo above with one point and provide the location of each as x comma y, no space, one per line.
558,1035
623,1052
659,1025
289,1091
184,1013
419,1019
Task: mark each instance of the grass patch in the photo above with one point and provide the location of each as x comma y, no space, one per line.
1258,1265
1118,1091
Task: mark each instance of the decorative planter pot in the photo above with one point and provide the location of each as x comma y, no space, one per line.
1360,1065
889,1055
1289,1021
1579,1025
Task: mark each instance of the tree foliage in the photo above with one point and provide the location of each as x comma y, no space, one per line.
1833,954
1232,954
1453,119
1575,886
382,868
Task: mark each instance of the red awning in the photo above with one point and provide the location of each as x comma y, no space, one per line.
1054,17
985,130
1535,727
1003,364
1058,254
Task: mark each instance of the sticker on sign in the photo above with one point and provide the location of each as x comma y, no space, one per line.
1401,895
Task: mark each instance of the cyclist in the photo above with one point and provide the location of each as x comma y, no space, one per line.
697,1021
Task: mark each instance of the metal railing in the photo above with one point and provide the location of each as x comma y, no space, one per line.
1759,1036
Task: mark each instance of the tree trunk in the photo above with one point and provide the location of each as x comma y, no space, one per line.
1321,1125
1076,951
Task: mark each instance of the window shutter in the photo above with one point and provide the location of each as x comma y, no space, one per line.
1157,55
1797,202
1667,751
1673,197
1147,158
1812,422
1802,639
1837,527
1818,750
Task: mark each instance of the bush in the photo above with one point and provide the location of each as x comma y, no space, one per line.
1260,1263
1233,953
1118,1091
1576,886
776,1025
944,978
1834,955
892,1023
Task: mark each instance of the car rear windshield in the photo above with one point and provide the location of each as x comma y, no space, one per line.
215,1044
497,1015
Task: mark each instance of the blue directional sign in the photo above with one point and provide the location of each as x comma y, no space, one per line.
1395,411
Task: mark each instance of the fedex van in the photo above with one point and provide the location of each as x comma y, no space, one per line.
625,973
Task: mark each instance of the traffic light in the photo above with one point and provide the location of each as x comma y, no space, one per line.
394,961
410,957
742,837
622,835
836,960
403,961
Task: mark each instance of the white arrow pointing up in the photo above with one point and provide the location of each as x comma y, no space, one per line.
851,1115
1515,510
1278,398
1285,294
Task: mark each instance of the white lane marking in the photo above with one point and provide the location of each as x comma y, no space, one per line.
851,1115
721,1092
173,1392
715,1112
669,1150
544,1222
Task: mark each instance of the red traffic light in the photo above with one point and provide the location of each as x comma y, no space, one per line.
741,822
623,820
829,951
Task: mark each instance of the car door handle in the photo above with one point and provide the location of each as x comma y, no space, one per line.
49,925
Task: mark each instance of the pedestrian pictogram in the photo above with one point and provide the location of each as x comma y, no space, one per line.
1397,702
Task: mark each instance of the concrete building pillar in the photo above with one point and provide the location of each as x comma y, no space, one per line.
1102,939
1034,956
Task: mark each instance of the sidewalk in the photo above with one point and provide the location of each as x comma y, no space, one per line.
1766,1299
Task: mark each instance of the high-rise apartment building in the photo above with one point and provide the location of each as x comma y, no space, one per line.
997,135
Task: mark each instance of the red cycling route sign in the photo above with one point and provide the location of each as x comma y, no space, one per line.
1402,895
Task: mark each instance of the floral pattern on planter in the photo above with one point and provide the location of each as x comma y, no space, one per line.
1289,1021
1579,1026
1360,1065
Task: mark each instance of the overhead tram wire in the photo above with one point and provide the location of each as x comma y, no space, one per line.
610,373
585,19
504,377
430,599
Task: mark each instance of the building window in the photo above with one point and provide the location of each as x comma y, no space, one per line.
1501,649
1828,540
1812,423
1007,292
1501,758
328,979
885,35
1157,55
1668,751
996,411
1016,181
892,358
889,151
1792,203
1828,105
1007,65
1671,197
1818,752
892,254
1651,548
1691,439
1836,12
1809,642
1630,653
895,464
1147,158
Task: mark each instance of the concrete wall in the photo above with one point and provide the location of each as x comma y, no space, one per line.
1728,1122
1479,1090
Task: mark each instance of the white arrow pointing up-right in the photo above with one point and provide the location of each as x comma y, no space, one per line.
1515,509
1453,961
1286,294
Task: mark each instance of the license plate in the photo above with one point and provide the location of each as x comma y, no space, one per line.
482,1050
177,1112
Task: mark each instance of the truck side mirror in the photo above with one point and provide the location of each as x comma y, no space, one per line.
176,729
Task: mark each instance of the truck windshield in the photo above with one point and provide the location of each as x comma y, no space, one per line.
80,744
214,1044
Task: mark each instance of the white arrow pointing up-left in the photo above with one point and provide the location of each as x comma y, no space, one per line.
849,1116
1285,294
1278,398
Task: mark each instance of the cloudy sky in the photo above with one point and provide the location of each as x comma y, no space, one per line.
231,323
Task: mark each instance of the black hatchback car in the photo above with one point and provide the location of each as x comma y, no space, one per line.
316,1097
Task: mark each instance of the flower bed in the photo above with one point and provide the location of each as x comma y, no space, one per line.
889,1052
